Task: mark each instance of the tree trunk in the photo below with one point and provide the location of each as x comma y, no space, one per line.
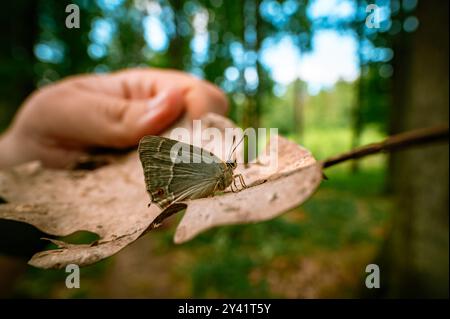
16,55
416,259
299,101
358,99
176,50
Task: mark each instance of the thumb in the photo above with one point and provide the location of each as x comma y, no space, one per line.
133,119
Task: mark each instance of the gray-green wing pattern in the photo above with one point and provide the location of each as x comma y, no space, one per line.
168,181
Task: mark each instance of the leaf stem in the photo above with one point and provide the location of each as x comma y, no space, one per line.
396,142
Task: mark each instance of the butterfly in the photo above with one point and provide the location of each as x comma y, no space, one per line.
172,180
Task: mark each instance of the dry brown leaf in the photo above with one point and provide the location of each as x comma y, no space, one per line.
111,201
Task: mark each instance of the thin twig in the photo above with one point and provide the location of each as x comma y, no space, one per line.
393,143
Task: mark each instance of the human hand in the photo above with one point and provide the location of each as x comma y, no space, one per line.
60,122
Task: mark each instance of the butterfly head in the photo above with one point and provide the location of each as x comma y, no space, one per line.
231,164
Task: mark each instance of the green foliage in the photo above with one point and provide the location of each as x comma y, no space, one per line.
330,108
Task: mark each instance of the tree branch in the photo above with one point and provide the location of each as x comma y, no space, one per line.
393,143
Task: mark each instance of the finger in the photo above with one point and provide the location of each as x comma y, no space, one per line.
128,84
201,96
128,121
93,119
204,97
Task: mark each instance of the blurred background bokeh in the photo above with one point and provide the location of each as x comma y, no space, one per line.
330,75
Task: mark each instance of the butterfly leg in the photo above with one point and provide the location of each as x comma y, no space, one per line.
241,180
234,183
235,189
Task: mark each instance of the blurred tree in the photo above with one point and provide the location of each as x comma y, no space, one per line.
179,45
371,90
416,256
16,55
298,106
371,101
62,51
359,97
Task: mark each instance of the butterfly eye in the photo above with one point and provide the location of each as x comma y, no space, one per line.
231,164
160,192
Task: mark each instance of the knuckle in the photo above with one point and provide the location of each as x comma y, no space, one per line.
115,111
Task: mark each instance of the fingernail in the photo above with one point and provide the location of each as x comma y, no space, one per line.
158,100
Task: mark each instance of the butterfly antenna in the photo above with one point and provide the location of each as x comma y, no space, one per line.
234,149
231,147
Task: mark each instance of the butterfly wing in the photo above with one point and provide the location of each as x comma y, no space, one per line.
170,180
